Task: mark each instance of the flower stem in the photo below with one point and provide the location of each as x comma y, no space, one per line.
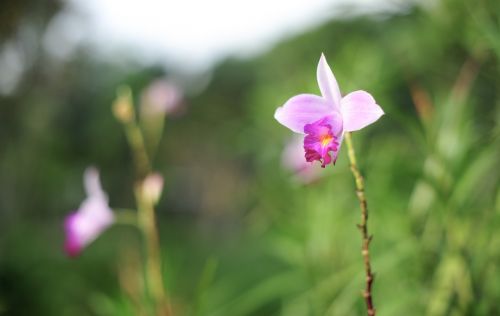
124,111
154,277
126,217
147,224
136,141
363,226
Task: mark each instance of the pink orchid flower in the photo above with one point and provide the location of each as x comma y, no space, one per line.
161,97
324,119
292,159
92,217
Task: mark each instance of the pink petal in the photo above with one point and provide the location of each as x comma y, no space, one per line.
293,154
293,160
359,110
161,97
92,218
73,244
327,83
340,139
301,110
85,225
92,184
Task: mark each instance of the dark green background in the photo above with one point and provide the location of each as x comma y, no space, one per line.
268,245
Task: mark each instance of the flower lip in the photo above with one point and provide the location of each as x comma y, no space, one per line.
320,142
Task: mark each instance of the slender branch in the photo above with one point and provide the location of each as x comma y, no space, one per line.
363,226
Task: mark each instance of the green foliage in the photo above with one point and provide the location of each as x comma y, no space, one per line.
239,237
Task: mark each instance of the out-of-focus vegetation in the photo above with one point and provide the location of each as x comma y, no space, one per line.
239,237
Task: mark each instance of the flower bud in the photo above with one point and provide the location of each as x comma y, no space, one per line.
161,97
122,106
152,186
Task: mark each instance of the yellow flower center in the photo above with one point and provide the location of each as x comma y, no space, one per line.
325,139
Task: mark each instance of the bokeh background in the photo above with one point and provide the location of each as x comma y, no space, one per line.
240,234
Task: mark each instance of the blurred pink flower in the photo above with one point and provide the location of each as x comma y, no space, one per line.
324,119
293,160
161,97
92,217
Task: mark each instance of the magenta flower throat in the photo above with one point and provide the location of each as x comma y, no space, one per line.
320,141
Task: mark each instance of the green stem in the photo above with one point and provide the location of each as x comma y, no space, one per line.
124,111
126,217
153,133
136,141
363,226
154,276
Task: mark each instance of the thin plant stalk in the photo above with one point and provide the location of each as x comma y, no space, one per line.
363,226
154,276
124,111
126,217
147,224
136,141
154,133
